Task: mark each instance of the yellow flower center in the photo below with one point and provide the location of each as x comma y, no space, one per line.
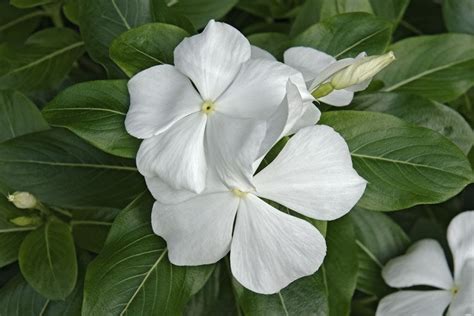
239,193
208,107
454,290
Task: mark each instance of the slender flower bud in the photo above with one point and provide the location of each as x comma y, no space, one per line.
26,220
361,70
23,200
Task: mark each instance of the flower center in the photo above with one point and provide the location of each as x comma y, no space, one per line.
239,193
454,290
207,107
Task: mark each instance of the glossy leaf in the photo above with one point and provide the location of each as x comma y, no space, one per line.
458,16
403,164
17,24
48,260
274,43
425,66
420,111
132,274
145,46
347,35
62,170
95,111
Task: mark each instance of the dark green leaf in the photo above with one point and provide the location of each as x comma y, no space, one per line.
275,43
145,46
347,35
29,3
48,260
19,115
71,10
62,170
42,62
458,15
427,66
95,111
422,112
16,24
403,164
132,274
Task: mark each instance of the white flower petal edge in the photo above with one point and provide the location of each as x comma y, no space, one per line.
461,239
308,60
197,231
419,303
313,175
257,52
463,302
212,58
152,91
423,264
271,249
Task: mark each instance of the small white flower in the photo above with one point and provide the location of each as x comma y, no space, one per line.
312,175
196,115
23,200
425,264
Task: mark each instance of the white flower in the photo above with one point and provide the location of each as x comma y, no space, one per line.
425,264
269,249
23,200
198,114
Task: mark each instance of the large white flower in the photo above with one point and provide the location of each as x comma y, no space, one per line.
425,264
202,111
312,175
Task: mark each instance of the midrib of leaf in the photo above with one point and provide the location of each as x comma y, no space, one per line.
283,304
360,42
369,253
45,306
48,253
17,229
86,222
153,267
124,21
10,125
85,109
21,19
72,165
144,53
46,57
422,74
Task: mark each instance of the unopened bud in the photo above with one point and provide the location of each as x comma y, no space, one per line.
361,70
26,220
23,200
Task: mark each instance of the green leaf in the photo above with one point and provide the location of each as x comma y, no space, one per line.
404,165
379,239
340,265
16,24
425,66
101,21
419,111
347,35
29,3
95,111
145,46
458,16
275,43
48,260
71,10
62,170
42,62
132,274
19,116
392,10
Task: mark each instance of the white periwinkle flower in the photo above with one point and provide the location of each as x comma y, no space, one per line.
335,81
197,114
312,175
425,264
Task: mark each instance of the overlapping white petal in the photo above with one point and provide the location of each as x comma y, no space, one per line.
309,61
463,299
259,53
461,239
419,303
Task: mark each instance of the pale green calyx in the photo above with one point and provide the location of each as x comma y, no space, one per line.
323,90
26,220
361,70
23,200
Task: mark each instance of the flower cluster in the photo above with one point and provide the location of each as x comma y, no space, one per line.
208,121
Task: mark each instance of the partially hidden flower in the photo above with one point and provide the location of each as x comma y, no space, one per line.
199,114
269,248
23,200
425,264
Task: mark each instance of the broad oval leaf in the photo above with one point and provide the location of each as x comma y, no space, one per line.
419,111
425,66
101,21
48,260
95,111
19,115
132,274
145,46
404,165
62,170
42,62
458,16
347,35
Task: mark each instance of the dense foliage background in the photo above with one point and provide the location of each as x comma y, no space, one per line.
63,98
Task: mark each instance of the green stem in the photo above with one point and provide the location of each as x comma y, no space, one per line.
54,11
43,208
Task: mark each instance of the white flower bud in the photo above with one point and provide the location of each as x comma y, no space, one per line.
26,220
23,200
361,70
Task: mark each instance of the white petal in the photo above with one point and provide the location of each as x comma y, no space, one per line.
338,97
257,52
159,96
197,231
423,264
213,58
313,175
359,87
232,145
257,91
463,300
177,155
271,249
329,71
308,60
414,303
310,117
461,240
